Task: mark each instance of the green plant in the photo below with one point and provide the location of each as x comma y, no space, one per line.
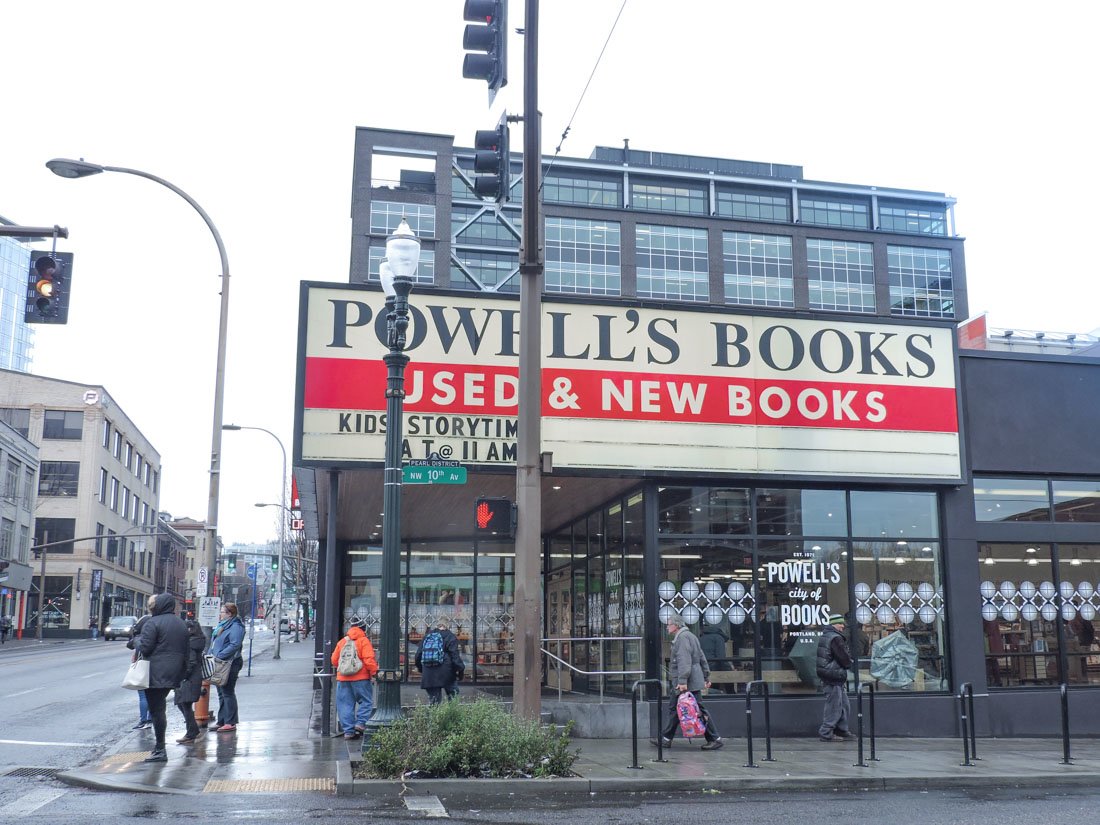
466,739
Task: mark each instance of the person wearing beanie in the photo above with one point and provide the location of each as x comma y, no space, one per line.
833,663
689,671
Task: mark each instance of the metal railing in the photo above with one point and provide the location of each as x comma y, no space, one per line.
634,720
559,662
767,720
870,688
966,720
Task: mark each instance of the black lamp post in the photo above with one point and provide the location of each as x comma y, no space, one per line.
396,271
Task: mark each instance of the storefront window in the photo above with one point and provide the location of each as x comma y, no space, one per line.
899,633
1020,614
496,628
1077,501
1011,499
1078,575
801,513
708,510
895,515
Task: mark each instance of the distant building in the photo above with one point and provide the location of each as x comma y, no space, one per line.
16,337
19,463
170,575
195,535
97,501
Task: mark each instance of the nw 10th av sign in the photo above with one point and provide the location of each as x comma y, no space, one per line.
433,475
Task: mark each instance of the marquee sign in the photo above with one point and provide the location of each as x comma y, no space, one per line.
631,388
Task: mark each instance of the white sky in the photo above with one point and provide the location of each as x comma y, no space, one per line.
251,108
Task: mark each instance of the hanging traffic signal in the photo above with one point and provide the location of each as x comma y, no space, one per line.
492,164
494,517
274,562
48,288
231,563
488,40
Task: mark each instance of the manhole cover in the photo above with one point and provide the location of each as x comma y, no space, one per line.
28,772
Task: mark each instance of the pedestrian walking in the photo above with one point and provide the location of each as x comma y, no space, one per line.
355,666
690,673
163,643
189,689
93,626
5,628
833,662
226,642
439,661
145,720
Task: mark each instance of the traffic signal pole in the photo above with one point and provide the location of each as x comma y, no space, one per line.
527,670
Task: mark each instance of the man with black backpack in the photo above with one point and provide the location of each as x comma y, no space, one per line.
439,661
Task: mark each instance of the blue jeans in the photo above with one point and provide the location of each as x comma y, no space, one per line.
348,695
227,696
143,707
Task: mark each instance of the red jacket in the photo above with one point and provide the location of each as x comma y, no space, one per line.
366,655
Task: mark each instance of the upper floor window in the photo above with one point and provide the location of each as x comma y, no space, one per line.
582,189
833,211
921,219
7,538
920,282
754,205
63,424
18,420
28,487
758,269
672,262
841,275
50,530
129,456
482,226
484,270
425,270
386,215
11,480
582,256
106,434
118,445
58,478
1036,499
114,494
669,197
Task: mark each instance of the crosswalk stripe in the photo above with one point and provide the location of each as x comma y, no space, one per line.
31,802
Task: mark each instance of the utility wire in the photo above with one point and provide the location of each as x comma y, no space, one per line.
569,126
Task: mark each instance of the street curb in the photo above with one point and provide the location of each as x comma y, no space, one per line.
345,784
98,783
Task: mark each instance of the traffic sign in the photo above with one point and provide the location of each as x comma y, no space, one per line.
252,572
202,581
209,609
433,475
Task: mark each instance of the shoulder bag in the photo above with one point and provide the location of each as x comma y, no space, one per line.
137,677
220,675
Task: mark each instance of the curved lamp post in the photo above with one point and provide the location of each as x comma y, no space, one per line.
282,535
396,271
68,168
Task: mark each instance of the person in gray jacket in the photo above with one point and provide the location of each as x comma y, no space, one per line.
688,668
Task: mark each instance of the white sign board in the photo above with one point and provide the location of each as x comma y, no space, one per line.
625,387
201,588
209,608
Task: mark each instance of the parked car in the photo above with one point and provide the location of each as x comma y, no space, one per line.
286,625
119,627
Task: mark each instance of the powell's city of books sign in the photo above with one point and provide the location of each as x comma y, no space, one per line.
631,388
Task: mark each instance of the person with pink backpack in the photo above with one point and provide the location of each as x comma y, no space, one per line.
690,675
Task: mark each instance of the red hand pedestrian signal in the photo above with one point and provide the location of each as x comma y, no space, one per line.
484,515
493,517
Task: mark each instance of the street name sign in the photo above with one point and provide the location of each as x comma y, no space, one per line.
433,475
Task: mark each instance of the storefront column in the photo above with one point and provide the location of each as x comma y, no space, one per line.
650,571
964,604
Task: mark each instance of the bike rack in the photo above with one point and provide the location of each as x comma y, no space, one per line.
966,719
634,721
767,720
1063,690
870,688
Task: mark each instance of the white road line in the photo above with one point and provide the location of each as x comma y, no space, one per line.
20,693
31,802
51,744
101,673
430,806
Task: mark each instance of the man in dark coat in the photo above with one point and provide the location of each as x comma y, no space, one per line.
163,642
833,662
444,676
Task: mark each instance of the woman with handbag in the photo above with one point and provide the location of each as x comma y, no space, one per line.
163,643
189,689
226,642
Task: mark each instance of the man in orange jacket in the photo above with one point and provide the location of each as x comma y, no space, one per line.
354,686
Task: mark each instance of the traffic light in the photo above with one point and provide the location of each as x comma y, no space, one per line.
274,562
488,40
492,164
48,286
494,517
231,563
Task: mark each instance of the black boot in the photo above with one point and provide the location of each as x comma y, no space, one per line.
158,755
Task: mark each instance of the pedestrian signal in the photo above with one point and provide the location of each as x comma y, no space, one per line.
494,517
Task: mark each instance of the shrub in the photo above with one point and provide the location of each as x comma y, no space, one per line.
466,739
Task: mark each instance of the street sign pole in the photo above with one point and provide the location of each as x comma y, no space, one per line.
252,618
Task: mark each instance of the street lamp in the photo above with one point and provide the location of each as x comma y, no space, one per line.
297,573
68,168
396,272
282,533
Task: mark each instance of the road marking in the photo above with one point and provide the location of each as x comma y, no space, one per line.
430,806
51,744
101,673
20,693
31,802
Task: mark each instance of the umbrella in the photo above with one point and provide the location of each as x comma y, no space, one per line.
894,660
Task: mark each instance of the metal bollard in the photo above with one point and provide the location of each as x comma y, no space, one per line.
767,721
870,688
634,721
965,722
1063,690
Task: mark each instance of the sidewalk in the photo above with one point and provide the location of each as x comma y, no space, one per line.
277,748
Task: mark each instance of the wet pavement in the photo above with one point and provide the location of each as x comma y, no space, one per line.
277,747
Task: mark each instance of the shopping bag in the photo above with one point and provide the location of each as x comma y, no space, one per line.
137,677
208,663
